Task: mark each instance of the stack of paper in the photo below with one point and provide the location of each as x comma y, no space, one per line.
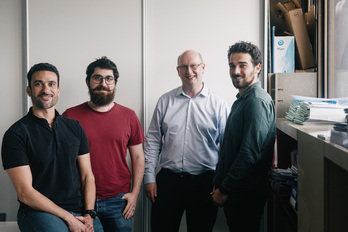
303,109
292,113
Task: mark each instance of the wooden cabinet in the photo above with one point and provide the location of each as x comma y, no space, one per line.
282,85
322,178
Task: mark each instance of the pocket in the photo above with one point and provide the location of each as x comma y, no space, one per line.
119,197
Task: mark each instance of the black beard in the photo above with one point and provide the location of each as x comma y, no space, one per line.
239,86
101,99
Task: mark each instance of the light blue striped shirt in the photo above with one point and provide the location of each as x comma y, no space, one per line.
185,133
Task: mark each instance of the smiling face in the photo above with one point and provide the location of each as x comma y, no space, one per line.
242,71
101,93
190,69
44,90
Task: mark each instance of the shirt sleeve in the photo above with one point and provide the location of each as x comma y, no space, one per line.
153,145
13,150
84,146
137,136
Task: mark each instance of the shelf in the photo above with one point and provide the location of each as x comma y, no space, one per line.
282,216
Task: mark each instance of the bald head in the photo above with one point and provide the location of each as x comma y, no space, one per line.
189,53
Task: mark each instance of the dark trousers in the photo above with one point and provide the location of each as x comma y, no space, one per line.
243,211
179,192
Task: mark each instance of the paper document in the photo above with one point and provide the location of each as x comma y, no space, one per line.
303,109
339,101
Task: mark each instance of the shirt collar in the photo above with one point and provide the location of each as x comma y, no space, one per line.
204,92
42,120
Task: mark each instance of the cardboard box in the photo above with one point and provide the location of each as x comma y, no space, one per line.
283,51
291,16
311,25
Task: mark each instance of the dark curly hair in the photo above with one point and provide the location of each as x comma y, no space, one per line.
103,63
41,67
246,47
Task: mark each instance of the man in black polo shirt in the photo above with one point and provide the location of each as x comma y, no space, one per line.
47,159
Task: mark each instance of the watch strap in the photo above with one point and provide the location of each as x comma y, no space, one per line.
91,212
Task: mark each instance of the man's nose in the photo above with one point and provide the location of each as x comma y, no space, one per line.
236,70
189,69
103,82
45,88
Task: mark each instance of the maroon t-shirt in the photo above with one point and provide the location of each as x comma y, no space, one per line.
109,136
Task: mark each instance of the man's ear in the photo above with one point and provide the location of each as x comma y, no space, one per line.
203,67
258,69
28,90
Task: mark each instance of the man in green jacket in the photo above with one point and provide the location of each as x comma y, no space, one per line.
240,183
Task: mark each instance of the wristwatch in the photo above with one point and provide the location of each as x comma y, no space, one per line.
91,212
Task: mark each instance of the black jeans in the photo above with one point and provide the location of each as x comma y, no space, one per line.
243,211
179,192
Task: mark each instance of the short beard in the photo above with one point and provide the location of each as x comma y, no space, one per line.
100,99
238,86
44,105
242,86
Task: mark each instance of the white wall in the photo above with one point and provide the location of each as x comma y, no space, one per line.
71,34
12,89
207,26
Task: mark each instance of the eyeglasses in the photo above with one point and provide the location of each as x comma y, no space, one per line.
109,80
193,67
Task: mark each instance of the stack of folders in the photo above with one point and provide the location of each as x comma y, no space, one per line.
283,181
339,133
303,109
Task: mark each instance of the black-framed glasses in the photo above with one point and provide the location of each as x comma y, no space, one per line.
97,79
193,67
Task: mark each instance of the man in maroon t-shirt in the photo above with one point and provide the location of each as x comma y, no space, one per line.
111,130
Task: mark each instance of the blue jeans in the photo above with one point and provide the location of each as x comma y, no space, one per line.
110,214
30,220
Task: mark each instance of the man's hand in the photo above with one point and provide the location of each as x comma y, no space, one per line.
129,210
76,224
151,191
87,220
219,198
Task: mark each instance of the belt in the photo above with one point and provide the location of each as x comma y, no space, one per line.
186,174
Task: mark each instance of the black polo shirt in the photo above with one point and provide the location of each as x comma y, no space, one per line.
51,154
